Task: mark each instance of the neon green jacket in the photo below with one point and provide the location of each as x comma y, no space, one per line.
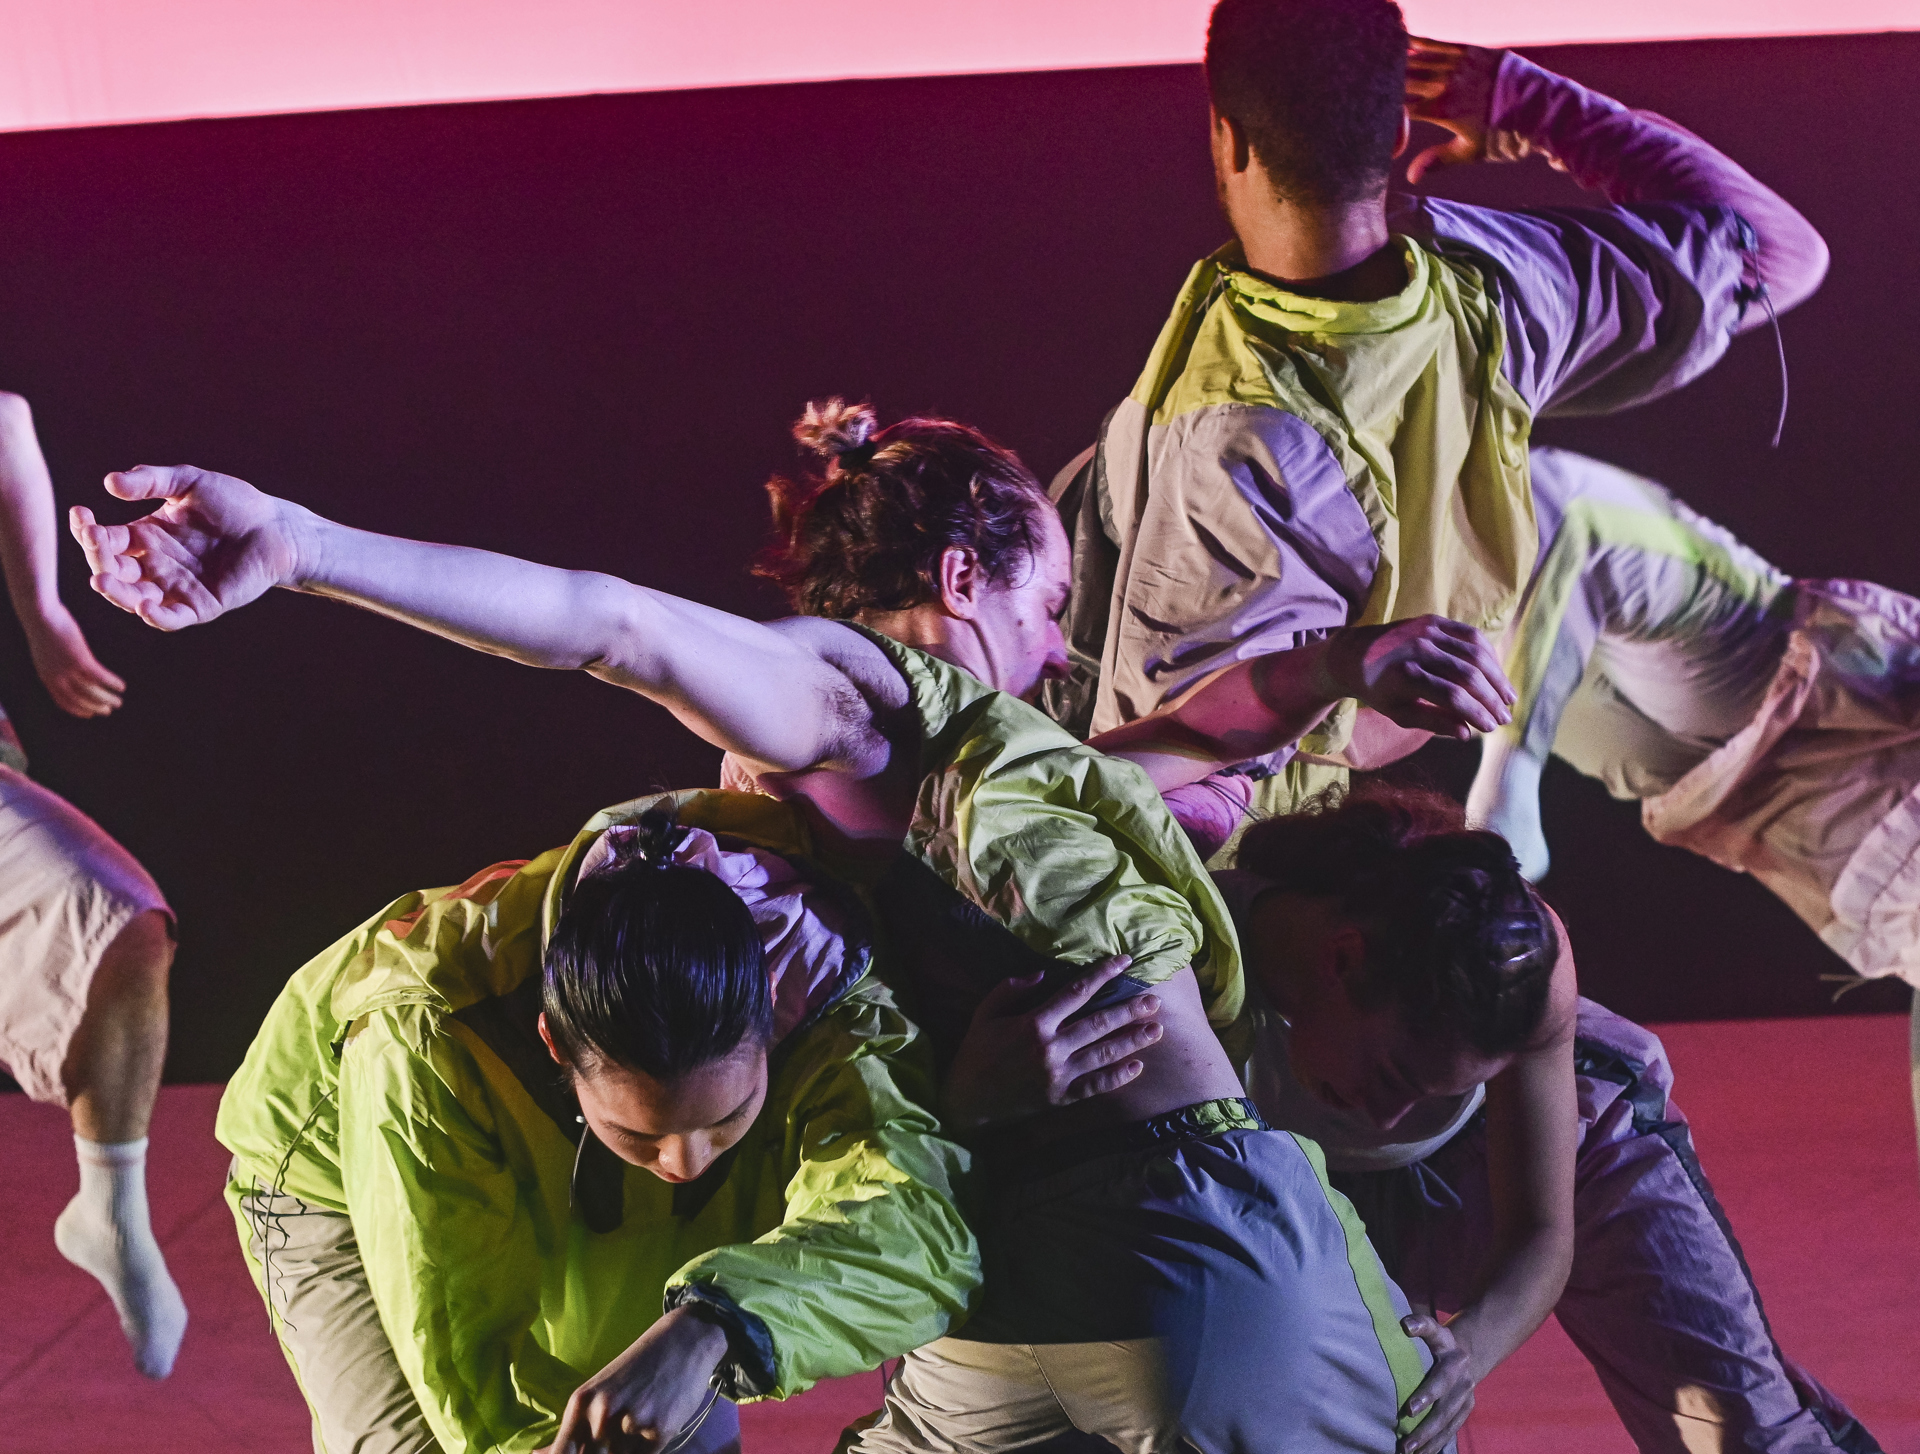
399,1078
1070,851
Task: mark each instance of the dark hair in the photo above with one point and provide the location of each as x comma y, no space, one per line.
867,532
1456,938
654,965
1317,85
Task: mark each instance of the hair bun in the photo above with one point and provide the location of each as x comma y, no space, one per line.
833,427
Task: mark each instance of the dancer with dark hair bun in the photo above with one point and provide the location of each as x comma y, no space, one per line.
438,1136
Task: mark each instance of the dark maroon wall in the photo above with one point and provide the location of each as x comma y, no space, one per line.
576,329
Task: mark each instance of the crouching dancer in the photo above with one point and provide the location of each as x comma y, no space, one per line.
441,1133
1118,1227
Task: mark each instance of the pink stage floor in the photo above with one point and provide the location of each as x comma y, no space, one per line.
1804,1127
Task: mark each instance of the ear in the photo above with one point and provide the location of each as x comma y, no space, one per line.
1231,150
546,1038
962,582
1346,961
1406,133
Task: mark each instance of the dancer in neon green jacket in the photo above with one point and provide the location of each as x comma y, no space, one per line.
400,1086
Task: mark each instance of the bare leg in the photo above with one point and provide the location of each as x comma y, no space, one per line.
112,1076
113,1065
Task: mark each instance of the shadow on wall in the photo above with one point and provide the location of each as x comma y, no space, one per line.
576,329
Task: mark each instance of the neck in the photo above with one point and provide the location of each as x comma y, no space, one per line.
1342,252
1280,925
927,628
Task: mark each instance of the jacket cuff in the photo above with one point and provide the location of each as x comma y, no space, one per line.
749,1370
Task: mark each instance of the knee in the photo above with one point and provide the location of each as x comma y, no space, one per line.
137,962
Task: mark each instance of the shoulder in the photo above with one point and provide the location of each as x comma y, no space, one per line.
1563,996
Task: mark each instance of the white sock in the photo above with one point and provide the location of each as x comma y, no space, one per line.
105,1231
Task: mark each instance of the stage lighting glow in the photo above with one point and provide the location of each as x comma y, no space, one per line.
69,64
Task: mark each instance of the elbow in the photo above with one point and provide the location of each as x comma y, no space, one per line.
1792,262
16,415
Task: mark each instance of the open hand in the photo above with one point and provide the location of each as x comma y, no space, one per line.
1451,86
1429,673
215,544
72,676
1017,1061
645,1398
1447,1389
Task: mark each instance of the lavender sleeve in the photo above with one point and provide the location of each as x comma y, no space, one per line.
1610,307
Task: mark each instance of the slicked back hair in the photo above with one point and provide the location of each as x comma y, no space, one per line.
655,966
1318,87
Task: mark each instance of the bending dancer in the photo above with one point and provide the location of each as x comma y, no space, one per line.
1380,954
1767,723
85,941
1414,1018
1332,427
446,1227
1082,1323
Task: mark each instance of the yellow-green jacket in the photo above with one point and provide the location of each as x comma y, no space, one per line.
399,1078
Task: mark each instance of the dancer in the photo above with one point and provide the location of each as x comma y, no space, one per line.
1378,999
1081,1323
433,1130
1767,723
1332,427
86,941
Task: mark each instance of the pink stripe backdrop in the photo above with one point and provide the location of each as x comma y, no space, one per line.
93,62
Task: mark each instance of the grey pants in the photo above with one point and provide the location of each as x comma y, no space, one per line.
1204,1296
322,1309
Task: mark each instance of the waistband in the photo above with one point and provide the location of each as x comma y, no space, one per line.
1016,1155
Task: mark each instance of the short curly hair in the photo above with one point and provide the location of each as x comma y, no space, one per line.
867,530
1456,939
1317,85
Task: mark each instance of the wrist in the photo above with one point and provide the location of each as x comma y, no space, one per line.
308,537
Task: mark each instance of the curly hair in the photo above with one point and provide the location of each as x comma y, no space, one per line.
1317,85
1455,937
866,530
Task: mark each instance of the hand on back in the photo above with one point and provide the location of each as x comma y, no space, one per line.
1020,1059
214,544
1428,673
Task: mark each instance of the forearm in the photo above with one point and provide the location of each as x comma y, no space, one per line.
1527,1281
737,684
1249,710
27,524
1635,156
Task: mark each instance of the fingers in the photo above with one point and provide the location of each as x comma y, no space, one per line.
1100,1082
1445,1395
1009,997
1090,1029
152,481
1075,996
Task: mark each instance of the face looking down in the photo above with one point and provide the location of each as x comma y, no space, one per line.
1348,1049
675,1129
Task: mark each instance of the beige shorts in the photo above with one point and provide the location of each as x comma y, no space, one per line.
66,892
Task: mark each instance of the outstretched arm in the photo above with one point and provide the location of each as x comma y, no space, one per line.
1428,675
217,543
28,536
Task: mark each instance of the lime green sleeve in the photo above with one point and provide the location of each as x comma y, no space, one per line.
448,1243
874,1257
